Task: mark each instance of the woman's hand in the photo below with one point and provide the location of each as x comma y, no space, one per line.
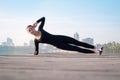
35,24
35,53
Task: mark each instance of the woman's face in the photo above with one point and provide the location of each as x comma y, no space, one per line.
31,30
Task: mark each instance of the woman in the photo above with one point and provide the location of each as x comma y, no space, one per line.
59,41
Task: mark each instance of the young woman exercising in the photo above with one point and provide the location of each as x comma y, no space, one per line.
59,41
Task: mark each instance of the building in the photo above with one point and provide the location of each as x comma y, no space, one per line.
9,42
76,36
89,40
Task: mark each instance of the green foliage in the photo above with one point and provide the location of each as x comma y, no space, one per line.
111,47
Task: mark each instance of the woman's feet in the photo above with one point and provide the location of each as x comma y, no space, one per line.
99,51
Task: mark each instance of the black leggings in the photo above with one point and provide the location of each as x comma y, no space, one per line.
68,43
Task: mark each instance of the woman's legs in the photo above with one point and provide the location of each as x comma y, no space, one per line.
70,47
73,41
68,43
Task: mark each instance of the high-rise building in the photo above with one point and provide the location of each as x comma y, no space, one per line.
9,42
89,40
76,36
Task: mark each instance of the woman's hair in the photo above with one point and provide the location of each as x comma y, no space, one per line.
27,29
29,26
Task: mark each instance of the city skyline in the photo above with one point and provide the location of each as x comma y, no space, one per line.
98,19
10,42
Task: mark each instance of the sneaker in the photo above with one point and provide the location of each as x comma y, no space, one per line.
101,51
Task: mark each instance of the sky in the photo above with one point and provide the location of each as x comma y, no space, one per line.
98,19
